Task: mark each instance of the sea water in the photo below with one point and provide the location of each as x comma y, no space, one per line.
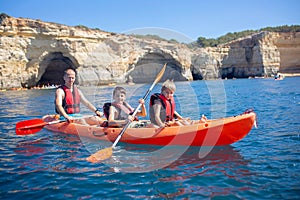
263,165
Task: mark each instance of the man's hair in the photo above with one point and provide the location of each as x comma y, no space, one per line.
168,84
70,68
119,89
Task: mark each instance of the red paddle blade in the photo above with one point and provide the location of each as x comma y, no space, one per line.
29,126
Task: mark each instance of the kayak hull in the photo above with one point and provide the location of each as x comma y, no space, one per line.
217,132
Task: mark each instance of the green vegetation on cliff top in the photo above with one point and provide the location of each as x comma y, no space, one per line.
211,42
204,42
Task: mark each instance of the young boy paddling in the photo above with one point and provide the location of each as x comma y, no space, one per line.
120,111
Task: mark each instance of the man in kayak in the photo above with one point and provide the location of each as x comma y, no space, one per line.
119,111
68,99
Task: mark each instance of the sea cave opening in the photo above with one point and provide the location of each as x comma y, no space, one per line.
147,68
52,69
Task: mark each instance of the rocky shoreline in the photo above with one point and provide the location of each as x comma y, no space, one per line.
36,53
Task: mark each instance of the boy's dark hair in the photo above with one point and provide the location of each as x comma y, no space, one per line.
106,107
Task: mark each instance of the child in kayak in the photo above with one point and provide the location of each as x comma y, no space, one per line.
119,111
163,109
162,106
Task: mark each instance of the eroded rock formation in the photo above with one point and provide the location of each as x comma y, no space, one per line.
34,52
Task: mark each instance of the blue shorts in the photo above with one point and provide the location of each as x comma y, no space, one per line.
75,115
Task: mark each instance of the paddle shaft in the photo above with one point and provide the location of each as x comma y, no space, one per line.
42,124
128,123
34,125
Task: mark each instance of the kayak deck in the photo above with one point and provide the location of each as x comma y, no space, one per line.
216,132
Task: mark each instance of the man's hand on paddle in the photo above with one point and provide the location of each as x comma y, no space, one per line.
70,119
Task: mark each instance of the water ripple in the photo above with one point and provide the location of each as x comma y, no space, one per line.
264,165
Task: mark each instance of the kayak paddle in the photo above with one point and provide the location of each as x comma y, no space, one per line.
107,152
35,125
32,126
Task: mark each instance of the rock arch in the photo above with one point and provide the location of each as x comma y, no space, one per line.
53,66
147,68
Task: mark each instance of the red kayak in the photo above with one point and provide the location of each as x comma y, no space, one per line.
216,132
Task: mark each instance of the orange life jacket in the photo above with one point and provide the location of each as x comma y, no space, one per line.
71,102
168,105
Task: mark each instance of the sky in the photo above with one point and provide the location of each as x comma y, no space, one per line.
183,20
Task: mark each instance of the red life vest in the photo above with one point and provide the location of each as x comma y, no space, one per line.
125,108
168,105
71,102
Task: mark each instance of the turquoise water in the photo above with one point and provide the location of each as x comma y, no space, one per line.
263,165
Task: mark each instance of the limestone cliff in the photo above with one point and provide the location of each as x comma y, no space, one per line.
34,52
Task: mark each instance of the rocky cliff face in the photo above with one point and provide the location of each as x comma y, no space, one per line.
288,45
34,52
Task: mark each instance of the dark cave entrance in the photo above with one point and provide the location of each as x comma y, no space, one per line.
147,68
52,69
